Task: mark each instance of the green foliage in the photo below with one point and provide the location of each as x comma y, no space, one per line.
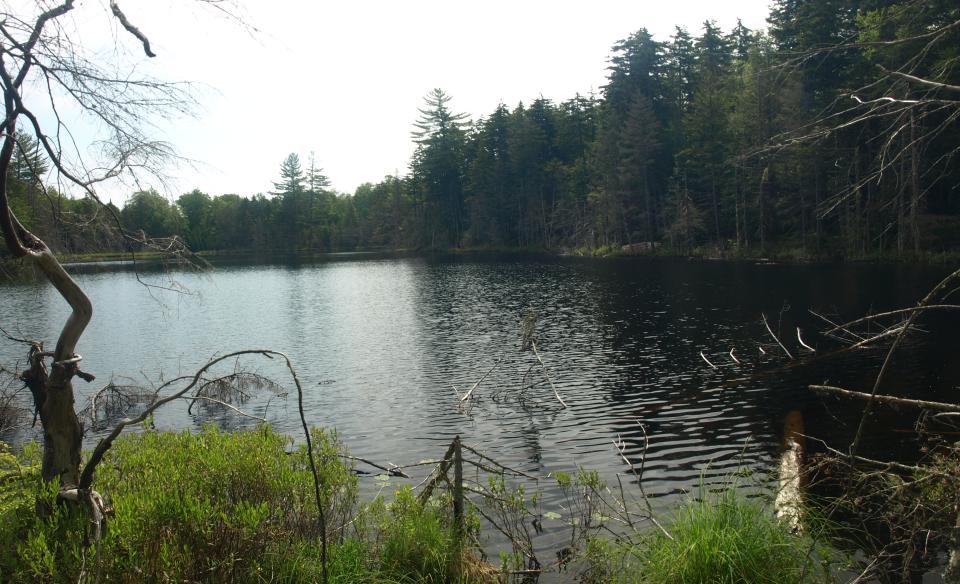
733,142
152,213
220,507
291,176
418,542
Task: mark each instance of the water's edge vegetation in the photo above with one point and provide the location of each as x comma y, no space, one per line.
238,507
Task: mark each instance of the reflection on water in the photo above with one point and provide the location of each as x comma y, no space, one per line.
379,342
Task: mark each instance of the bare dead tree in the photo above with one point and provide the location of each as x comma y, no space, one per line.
44,52
907,109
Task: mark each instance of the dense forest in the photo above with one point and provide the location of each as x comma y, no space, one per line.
831,134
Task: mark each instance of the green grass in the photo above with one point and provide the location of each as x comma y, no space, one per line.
221,507
214,506
722,538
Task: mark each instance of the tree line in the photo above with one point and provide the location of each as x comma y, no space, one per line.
831,133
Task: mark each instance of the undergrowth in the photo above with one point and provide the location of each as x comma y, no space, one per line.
221,507
239,507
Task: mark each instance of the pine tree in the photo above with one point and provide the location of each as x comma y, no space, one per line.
438,167
291,176
28,163
639,143
316,180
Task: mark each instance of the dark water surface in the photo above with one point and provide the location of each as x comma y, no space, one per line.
378,343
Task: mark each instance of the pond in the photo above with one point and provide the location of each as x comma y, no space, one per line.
379,343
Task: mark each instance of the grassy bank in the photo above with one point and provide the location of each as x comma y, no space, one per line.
715,538
219,507
239,507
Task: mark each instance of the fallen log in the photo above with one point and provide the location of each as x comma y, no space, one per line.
888,399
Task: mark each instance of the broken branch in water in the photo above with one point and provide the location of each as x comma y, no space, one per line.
770,330
836,327
888,399
195,398
704,357
495,463
477,384
846,326
803,344
546,374
392,469
875,338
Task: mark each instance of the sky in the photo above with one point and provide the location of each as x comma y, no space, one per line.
344,79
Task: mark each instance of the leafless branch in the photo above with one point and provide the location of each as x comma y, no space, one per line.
131,28
775,338
887,399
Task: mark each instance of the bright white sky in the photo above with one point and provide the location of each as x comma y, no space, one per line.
345,79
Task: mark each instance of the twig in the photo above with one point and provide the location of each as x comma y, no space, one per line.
704,357
547,374
495,463
192,398
877,463
769,330
846,326
875,338
16,339
392,470
477,384
441,472
621,448
804,345
835,326
734,357
131,28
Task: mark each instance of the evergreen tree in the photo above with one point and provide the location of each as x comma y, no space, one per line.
639,143
291,176
316,180
679,64
28,163
437,168
707,128
492,202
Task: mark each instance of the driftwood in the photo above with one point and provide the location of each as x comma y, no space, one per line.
888,399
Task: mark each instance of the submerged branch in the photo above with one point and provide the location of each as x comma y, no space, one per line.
770,330
887,399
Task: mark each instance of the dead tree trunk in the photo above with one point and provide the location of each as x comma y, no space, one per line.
52,390
39,52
